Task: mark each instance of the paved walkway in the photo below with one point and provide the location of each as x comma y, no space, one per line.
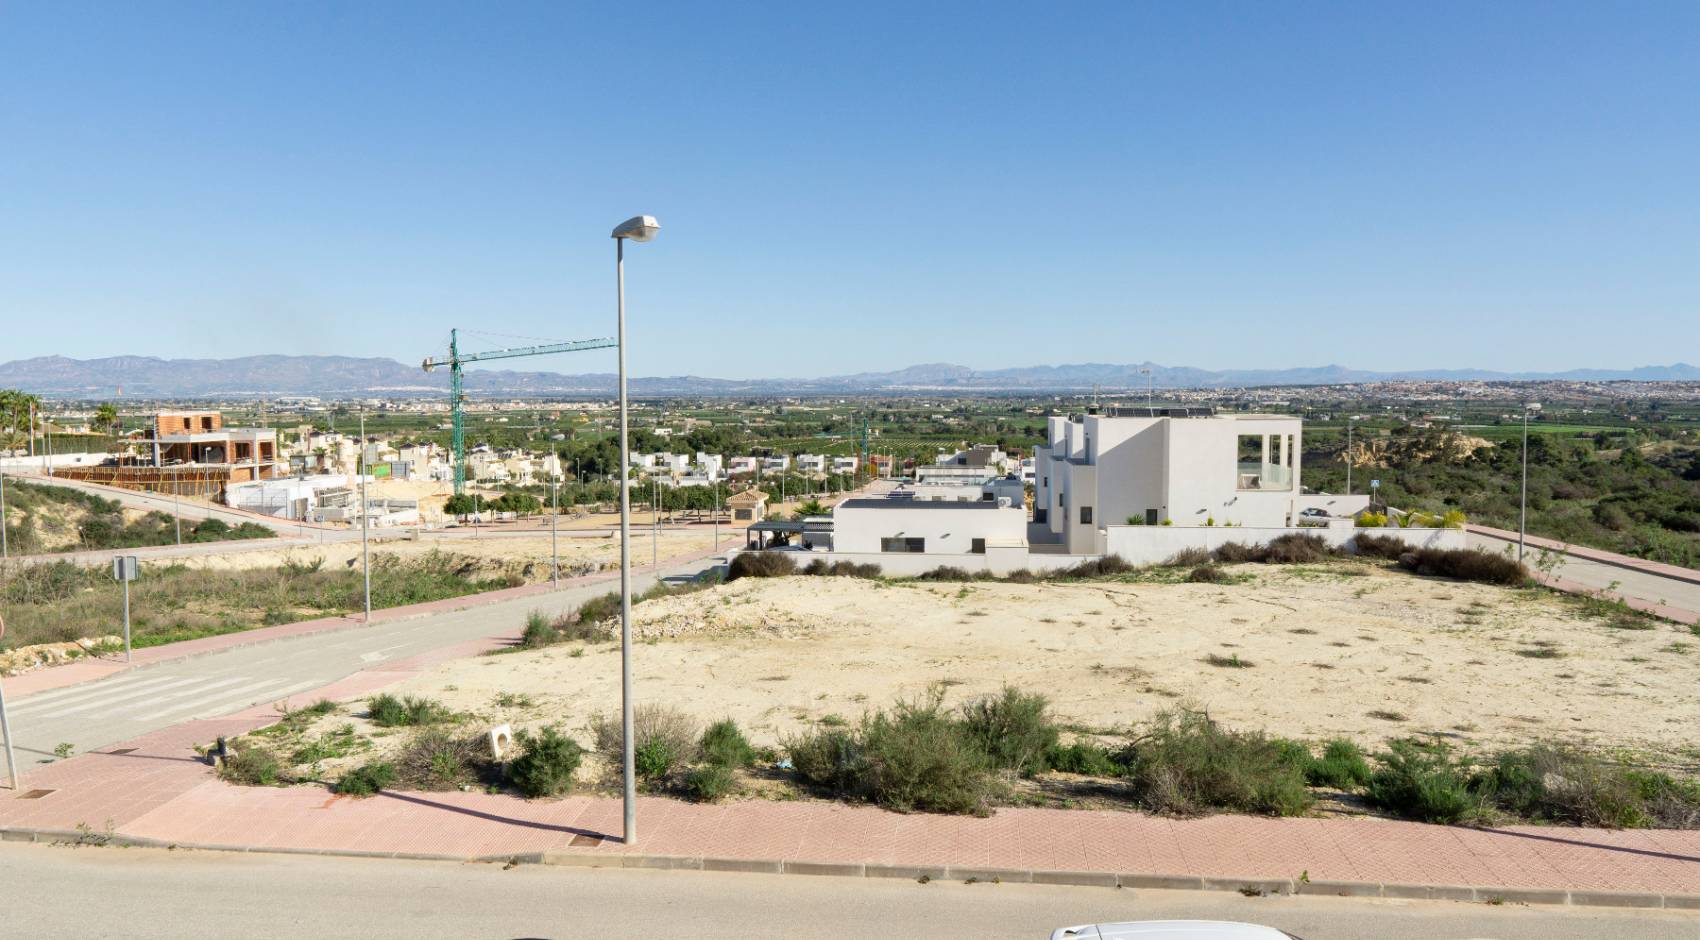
1663,590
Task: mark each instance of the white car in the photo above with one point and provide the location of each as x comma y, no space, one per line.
1171,930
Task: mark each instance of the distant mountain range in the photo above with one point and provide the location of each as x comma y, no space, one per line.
152,377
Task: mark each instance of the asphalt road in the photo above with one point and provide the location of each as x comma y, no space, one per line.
95,714
1595,574
153,893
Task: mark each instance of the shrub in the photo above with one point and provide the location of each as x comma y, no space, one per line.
1422,781
366,779
1670,803
1185,764
709,783
914,757
1372,520
1082,757
1187,558
1297,548
387,711
760,565
1341,766
842,569
546,763
917,758
598,609
1107,566
724,745
1021,576
830,760
1012,729
436,759
1563,784
651,723
1452,519
252,766
654,759
539,631
1380,546
1465,564
947,573
1208,574
1229,553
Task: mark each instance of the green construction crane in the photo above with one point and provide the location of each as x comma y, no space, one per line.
457,397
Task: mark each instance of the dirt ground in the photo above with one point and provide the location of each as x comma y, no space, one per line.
1345,649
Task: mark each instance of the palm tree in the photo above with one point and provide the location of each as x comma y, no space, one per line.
106,418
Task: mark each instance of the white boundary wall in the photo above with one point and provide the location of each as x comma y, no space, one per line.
1149,545
999,561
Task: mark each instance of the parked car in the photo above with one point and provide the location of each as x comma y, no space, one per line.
1315,512
1171,930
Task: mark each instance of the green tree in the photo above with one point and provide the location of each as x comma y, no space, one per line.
105,418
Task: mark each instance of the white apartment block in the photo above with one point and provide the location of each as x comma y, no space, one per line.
975,465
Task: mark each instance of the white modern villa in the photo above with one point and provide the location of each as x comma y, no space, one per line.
1172,467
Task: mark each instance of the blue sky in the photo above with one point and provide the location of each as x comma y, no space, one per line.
848,187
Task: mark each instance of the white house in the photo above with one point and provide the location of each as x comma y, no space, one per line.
741,465
909,526
712,466
778,463
845,464
975,465
1171,466
811,463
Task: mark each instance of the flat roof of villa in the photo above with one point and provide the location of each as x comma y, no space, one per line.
874,503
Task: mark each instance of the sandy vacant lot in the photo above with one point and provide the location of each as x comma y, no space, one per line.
1347,649
525,556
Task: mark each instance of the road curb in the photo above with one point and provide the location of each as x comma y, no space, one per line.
1484,894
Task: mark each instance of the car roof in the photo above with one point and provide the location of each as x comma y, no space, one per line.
1170,930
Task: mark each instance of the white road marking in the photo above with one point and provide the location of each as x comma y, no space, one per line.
61,696
196,703
379,655
105,700
228,706
149,701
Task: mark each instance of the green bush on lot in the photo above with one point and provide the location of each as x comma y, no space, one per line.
367,779
1184,763
546,763
1012,728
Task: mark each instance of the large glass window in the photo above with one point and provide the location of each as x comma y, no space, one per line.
1265,461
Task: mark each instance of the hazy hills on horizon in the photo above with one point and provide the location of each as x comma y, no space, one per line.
155,377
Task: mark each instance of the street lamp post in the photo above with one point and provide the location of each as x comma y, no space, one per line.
555,514
1349,424
640,228
365,520
654,523
3,548
1523,498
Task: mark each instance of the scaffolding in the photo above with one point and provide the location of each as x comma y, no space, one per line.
194,482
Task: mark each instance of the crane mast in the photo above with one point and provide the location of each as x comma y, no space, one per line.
457,392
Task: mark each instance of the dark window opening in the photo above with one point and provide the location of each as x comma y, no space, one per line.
1086,515
902,544
1041,515
976,546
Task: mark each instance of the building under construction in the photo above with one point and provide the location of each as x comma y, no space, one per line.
190,453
